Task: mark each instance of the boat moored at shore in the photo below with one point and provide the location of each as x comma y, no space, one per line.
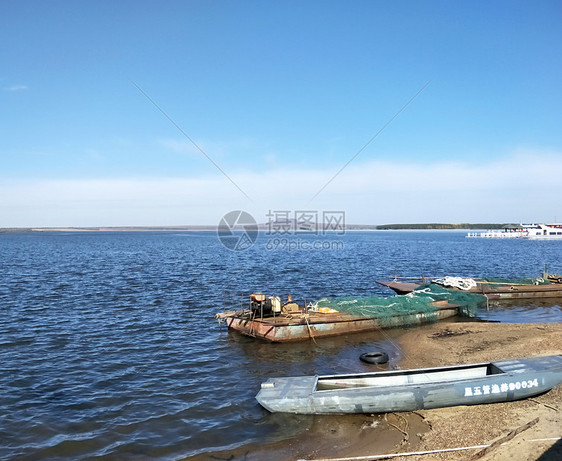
410,390
547,286
269,319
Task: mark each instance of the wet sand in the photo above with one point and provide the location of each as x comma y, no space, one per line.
446,344
336,436
426,430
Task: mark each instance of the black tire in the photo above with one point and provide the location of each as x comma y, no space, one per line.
377,357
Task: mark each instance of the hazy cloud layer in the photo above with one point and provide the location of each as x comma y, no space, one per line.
523,186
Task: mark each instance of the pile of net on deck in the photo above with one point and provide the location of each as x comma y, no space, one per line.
420,301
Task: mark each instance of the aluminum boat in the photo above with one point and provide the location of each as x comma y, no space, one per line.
409,390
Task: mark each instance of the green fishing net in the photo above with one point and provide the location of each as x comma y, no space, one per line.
392,310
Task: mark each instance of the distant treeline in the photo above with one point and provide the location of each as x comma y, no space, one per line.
441,226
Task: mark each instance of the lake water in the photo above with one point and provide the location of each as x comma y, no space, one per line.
109,346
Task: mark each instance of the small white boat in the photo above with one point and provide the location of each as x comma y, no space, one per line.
409,390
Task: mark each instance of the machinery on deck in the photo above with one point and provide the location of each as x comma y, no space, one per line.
270,306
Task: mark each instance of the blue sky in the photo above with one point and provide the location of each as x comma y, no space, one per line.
280,95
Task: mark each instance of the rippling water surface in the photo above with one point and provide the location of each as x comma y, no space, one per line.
109,346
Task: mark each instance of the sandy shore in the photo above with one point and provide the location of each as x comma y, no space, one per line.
349,436
445,344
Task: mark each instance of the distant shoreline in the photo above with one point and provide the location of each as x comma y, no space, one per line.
194,228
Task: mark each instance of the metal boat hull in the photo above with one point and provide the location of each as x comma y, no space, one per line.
492,293
413,389
312,326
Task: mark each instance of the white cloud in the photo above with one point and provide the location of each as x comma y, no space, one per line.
94,155
181,147
524,186
211,148
16,88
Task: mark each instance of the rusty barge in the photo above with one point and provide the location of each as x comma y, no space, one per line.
493,291
269,319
